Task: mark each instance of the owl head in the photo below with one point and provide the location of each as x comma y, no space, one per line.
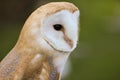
52,27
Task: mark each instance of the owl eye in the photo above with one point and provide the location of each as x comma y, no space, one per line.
58,27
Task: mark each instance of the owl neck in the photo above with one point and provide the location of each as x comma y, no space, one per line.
56,65
59,61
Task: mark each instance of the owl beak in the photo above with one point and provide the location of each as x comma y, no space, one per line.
69,41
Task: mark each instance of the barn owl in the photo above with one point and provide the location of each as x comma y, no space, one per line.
48,37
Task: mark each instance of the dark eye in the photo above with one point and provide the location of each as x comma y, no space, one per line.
58,27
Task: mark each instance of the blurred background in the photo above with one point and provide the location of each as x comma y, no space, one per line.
97,56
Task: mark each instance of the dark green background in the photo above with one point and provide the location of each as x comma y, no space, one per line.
97,56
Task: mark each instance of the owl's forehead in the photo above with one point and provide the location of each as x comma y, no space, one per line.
63,15
55,7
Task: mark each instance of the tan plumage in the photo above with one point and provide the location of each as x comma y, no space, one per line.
29,60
